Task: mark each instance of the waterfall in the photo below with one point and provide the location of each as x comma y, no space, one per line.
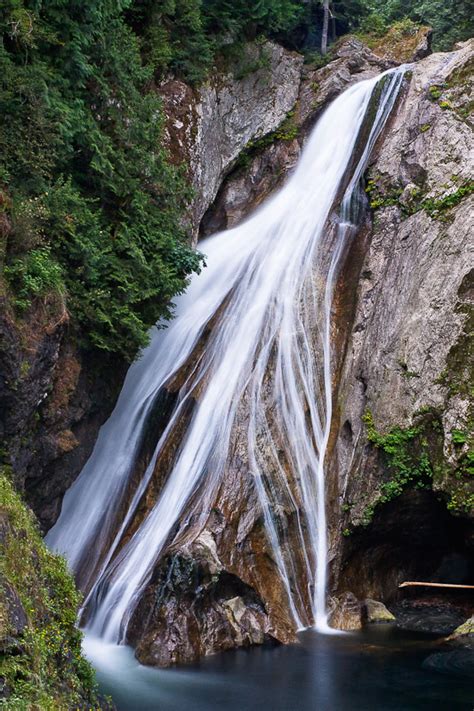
262,308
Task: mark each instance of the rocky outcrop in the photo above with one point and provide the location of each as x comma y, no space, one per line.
208,127
53,399
218,587
464,631
405,41
345,612
265,164
403,448
194,607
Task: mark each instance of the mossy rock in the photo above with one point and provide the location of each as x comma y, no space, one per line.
376,613
41,665
464,630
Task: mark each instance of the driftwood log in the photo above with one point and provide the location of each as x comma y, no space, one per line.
435,585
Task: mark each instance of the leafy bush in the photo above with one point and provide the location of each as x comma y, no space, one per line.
35,275
451,21
96,205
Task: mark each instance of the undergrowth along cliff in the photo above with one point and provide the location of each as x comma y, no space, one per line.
90,206
41,664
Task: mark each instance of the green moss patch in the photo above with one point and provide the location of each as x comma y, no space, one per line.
42,666
409,455
414,457
437,206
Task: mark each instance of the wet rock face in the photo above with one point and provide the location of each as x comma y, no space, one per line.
218,587
52,403
345,612
406,360
264,167
194,607
208,127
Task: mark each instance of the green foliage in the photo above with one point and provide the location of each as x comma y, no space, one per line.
434,92
34,275
96,206
380,196
407,456
435,207
241,18
50,672
458,437
186,36
414,457
461,503
173,37
315,60
451,20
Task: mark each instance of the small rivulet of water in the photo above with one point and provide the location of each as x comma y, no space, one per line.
263,302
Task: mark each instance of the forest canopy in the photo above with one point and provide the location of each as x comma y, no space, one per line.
90,206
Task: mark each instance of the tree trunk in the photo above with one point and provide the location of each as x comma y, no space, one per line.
324,38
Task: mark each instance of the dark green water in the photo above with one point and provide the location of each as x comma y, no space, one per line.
382,669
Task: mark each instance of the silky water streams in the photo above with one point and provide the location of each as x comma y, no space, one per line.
251,335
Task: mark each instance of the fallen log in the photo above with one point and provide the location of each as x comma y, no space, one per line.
435,585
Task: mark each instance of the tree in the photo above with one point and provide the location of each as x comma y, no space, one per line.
324,37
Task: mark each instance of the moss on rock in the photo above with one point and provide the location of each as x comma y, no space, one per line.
464,630
415,457
41,666
409,454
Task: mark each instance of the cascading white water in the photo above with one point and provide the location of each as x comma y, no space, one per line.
269,284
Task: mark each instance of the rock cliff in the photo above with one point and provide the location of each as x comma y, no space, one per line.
399,467
208,127
402,461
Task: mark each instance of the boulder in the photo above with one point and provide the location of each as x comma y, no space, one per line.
346,612
465,630
376,613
